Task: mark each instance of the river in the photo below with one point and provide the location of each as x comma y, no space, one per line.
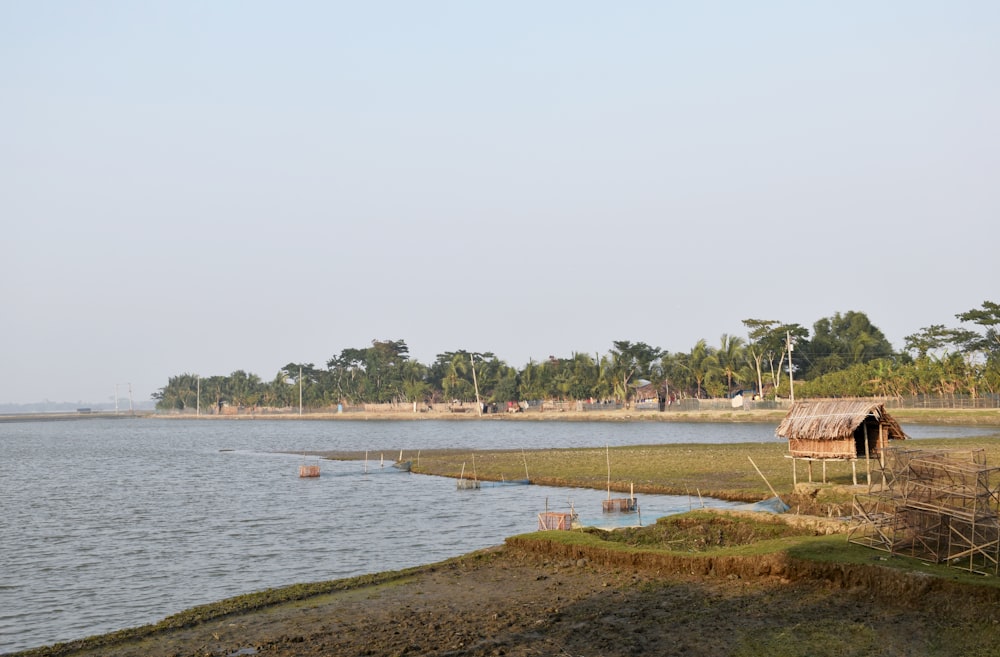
113,523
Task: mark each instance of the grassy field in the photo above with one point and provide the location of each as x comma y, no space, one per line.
722,471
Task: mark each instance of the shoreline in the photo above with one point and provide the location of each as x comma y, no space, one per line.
939,416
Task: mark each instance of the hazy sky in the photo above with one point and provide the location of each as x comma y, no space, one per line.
210,186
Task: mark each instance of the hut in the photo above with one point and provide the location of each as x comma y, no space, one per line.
838,430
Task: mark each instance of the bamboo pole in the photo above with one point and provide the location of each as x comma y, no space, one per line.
607,449
773,492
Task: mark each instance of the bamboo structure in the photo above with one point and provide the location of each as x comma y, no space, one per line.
620,504
939,506
308,470
553,520
468,484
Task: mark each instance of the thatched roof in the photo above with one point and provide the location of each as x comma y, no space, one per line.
834,420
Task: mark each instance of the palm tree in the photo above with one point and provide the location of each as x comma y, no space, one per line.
702,364
731,357
454,384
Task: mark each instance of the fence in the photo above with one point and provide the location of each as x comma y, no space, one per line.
990,401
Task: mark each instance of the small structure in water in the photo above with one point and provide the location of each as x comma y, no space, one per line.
554,520
308,470
621,504
401,465
468,484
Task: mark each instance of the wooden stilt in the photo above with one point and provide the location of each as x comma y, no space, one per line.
868,451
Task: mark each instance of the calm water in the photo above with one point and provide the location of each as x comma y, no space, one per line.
107,524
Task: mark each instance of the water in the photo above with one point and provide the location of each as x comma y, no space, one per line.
107,524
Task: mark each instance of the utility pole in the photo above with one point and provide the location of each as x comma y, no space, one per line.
197,400
479,406
300,391
791,383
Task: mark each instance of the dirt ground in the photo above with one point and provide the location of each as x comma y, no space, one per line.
505,601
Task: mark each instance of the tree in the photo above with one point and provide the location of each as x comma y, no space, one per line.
841,341
243,389
676,374
758,331
731,357
702,365
530,385
630,361
414,380
768,343
506,387
987,317
927,340
179,394
583,376
455,383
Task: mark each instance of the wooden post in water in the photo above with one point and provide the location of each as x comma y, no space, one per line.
607,449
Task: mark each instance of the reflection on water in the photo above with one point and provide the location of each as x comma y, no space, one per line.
108,524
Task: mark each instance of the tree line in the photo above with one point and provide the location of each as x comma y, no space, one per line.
844,355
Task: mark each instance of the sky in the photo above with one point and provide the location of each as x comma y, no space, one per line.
205,187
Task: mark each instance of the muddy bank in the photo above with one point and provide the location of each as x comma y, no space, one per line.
536,595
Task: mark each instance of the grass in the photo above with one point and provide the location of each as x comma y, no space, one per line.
702,533
721,471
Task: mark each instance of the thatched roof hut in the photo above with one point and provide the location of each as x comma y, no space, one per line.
838,429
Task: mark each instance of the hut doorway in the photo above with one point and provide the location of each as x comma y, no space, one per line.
867,437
